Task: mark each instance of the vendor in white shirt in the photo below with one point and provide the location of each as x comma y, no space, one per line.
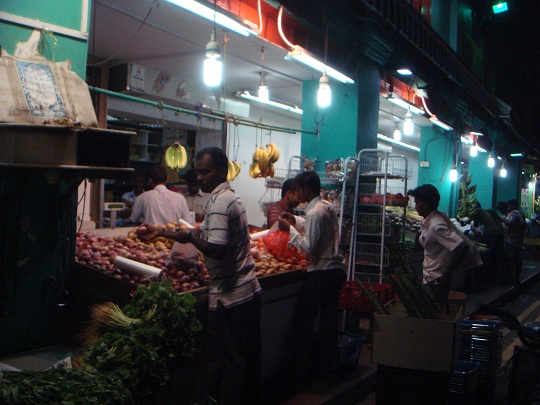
195,198
160,205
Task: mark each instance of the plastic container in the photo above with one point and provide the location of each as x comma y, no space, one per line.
350,348
352,298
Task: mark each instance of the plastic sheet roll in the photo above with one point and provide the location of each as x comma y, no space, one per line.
259,235
140,269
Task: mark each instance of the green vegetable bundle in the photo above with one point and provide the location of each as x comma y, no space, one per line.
133,353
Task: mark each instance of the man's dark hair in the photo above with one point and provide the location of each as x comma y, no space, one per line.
427,193
309,179
501,206
219,157
191,176
158,174
288,185
511,204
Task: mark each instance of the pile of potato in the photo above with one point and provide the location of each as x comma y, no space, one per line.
266,264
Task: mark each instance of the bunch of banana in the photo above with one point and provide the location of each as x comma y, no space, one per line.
234,170
273,152
260,163
176,156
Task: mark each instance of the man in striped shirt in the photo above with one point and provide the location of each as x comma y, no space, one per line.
233,326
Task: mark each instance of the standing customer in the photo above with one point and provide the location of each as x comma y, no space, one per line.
324,278
195,198
233,326
160,205
514,231
289,200
443,247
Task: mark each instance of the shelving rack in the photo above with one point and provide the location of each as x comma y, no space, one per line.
364,224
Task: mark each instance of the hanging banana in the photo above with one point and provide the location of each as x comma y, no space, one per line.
176,156
237,169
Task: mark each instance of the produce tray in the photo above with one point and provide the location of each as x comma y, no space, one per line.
352,298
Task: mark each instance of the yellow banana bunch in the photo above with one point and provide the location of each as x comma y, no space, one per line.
254,170
176,156
273,152
234,170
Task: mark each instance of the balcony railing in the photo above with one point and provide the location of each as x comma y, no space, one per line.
414,28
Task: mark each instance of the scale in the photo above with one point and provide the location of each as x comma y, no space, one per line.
113,208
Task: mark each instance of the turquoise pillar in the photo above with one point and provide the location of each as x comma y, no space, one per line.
482,176
437,151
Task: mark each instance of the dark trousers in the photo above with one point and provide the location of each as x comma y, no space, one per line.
515,260
494,259
320,295
234,353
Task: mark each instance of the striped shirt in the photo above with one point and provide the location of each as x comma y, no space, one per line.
232,277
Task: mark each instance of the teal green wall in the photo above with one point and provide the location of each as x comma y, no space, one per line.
437,150
337,124
65,13
482,176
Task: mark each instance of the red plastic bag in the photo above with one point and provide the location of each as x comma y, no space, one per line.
277,244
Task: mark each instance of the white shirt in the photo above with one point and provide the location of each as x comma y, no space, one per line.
196,202
320,239
130,196
160,206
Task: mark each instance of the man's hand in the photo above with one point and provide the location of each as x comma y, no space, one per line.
152,232
284,225
287,216
182,235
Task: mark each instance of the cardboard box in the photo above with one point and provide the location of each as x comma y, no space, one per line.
417,343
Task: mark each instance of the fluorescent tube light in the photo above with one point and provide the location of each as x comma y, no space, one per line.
516,154
402,144
438,122
248,96
500,7
466,140
208,13
404,72
299,54
395,99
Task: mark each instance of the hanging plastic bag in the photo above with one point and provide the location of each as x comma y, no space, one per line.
277,243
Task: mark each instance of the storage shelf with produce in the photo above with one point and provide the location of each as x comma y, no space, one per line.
367,225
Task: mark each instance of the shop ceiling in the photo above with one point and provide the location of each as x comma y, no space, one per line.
163,36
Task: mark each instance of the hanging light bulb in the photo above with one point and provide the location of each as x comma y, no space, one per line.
324,96
408,127
213,67
263,88
453,174
473,152
491,161
397,132
503,173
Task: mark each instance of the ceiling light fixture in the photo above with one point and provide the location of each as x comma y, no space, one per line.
500,7
299,54
491,161
397,132
213,67
212,15
516,154
453,176
404,72
399,143
408,126
246,94
324,95
438,122
473,152
397,100
502,173
263,88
